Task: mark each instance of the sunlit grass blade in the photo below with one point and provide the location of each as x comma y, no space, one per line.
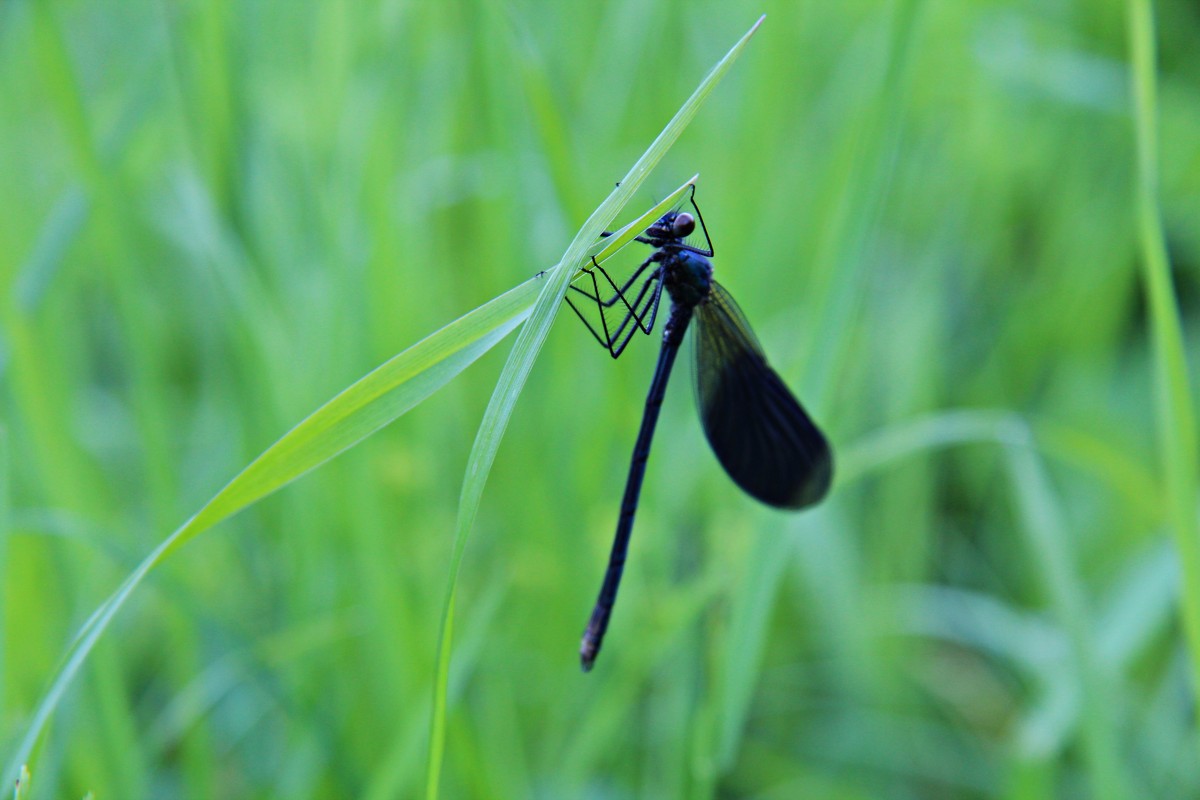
520,362
366,406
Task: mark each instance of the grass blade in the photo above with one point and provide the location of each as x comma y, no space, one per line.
366,406
520,362
1176,422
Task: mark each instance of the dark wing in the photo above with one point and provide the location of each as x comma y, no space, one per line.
762,436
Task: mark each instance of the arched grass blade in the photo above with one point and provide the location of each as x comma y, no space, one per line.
520,361
366,406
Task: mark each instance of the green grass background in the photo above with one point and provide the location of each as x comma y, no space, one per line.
215,216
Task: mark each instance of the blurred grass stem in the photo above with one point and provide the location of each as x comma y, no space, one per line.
1176,421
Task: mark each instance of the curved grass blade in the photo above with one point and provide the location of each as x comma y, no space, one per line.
366,406
1175,415
520,362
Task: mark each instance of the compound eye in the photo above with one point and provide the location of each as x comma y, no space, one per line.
683,225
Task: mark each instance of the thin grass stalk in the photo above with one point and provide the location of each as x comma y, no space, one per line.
1175,418
516,371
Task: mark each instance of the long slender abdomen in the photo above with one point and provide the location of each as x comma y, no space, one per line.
593,635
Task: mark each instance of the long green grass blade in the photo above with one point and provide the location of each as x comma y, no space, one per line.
1176,419
206,211
366,406
520,362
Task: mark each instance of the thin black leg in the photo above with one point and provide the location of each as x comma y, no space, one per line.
612,340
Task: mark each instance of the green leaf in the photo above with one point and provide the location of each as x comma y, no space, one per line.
366,406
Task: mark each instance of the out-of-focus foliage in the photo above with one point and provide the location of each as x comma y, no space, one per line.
217,215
